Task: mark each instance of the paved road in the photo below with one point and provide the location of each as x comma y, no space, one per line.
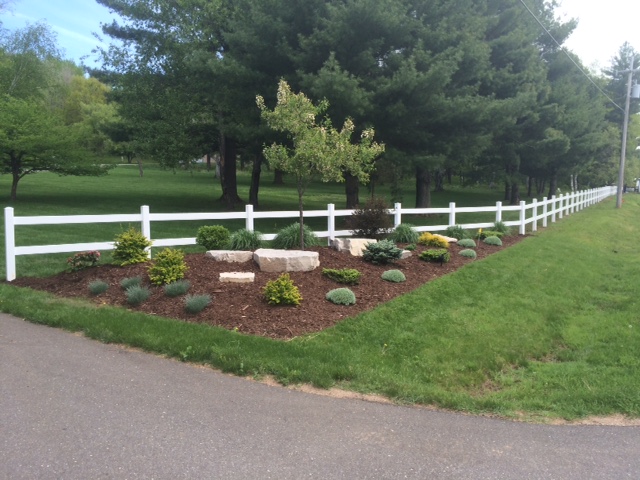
72,408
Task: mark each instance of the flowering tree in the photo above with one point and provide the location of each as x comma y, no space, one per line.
316,150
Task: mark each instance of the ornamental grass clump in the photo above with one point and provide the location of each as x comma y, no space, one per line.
381,253
404,233
130,247
502,228
177,288
289,237
468,253
244,239
168,266
341,296
440,256
196,303
457,232
467,243
493,240
395,276
430,240
137,294
282,291
213,237
349,276
130,282
96,287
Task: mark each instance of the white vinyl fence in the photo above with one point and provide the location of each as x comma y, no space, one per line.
532,214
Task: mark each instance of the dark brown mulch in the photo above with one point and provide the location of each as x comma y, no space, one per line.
242,306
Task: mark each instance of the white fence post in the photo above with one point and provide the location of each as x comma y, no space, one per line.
397,214
145,225
498,212
248,221
523,216
545,212
534,209
331,222
553,209
452,214
560,206
10,243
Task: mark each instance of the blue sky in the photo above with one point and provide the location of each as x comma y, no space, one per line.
603,27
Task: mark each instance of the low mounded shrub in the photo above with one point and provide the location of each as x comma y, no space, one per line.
130,282
430,240
456,231
341,296
467,243
440,255
177,288
282,291
381,253
97,287
468,253
395,276
83,260
490,233
196,303
244,239
289,237
411,247
349,276
130,248
213,237
136,294
168,266
493,240
404,233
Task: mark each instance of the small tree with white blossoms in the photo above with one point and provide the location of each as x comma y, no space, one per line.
317,149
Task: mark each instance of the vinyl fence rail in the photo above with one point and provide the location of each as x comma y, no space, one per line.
533,214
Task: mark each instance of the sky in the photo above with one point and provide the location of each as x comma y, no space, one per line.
603,26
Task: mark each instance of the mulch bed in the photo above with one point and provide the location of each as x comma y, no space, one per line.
242,307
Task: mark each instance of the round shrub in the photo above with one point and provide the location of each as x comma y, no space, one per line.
289,237
130,248
137,294
395,276
350,276
130,282
404,233
467,243
436,256
213,237
372,220
282,291
430,240
493,240
381,253
196,303
177,288
97,287
341,296
169,266
244,239
468,253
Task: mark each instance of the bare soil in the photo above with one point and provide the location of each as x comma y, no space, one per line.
242,307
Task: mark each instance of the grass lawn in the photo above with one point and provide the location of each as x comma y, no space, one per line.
545,329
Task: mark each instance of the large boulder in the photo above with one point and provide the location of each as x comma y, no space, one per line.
272,260
231,256
355,246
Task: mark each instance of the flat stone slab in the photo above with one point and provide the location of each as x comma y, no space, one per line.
272,260
355,246
237,277
231,256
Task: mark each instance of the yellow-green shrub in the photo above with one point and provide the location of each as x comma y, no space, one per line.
169,266
282,290
130,247
430,240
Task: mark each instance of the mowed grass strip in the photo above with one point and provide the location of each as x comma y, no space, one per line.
545,329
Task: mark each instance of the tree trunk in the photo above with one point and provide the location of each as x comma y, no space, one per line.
507,190
255,180
515,193
301,210
439,181
14,187
278,177
228,179
140,170
553,185
208,162
423,188
352,188
529,186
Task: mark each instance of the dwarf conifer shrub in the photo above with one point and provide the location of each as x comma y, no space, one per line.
130,247
196,303
213,237
395,276
404,233
289,237
282,291
430,240
493,240
177,288
439,255
168,266
96,287
349,276
130,282
381,253
137,294
468,253
341,296
467,243
244,239
372,220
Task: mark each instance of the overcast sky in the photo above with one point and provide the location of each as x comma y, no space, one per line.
603,25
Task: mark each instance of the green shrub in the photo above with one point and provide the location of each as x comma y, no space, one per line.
468,253
456,231
289,237
83,260
244,239
168,266
430,240
404,233
381,253
502,228
130,282
97,287
137,294
440,255
490,233
177,288
196,303
411,247
282,291
395,276
213,237
371,221
341,296
350,276
130,248
493,240
467,243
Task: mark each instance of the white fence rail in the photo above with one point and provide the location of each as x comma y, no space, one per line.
529,214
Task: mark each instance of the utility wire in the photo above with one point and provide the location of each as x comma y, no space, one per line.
564,50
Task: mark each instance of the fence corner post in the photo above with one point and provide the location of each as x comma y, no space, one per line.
523,217
10,244
331,223
397,214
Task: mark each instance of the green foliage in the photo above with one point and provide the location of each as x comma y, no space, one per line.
372,220
436,255
404,233
456,231
168,266
83,260
130,247
196,303
213,237
467,243
136,294
502,228
395,276
177,288
130,282
493,240
349,276
341,296
468,253
244,239
96,287
289,237
411,247
381,253
490,233
282,291
430,240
